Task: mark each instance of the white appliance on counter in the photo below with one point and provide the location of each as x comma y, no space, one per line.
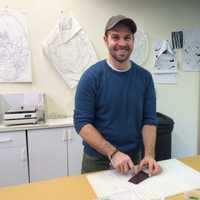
21,116
26,108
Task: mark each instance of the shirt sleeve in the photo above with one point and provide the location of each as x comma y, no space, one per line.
84,101
149,112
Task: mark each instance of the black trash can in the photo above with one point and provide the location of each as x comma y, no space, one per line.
164,135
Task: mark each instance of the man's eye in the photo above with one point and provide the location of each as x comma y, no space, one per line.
127,38
115,37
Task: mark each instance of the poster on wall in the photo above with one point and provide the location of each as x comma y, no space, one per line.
165,56
191,50
15,57
69,50
141,48
165,67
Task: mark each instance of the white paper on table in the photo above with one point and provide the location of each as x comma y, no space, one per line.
109,182
176,177
127,195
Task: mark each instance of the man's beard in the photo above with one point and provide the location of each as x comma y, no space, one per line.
113,53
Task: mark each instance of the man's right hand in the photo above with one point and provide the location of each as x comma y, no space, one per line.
123,163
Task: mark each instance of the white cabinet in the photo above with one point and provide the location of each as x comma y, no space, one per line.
39,152
13,158
75,152
47,150
54,152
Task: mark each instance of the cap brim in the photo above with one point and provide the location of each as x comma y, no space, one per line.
127,21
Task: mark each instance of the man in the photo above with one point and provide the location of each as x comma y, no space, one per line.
115,107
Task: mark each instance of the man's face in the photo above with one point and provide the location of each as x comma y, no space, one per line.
119,42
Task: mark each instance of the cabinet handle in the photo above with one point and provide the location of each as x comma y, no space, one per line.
23,154
5,140
70,134
65,136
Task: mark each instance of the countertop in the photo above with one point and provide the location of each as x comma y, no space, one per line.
49,123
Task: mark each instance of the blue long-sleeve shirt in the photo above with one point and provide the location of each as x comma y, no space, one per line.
118,104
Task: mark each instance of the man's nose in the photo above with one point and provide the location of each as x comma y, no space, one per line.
122,42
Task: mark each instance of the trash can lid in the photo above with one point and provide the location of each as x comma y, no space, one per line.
164,119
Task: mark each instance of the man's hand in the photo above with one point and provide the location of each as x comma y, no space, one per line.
151,164
123,163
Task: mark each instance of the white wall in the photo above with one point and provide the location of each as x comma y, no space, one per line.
157,17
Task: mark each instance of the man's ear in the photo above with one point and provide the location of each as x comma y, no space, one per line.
105,38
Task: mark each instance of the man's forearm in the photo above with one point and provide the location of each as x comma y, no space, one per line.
92,137
149,139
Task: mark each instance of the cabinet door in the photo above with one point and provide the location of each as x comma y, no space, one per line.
13,158
75,152
47,153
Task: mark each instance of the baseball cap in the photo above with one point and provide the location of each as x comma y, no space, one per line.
114,20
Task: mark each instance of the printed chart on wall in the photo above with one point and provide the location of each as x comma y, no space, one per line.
15,65
191,50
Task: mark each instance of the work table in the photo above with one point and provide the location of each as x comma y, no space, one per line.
72,187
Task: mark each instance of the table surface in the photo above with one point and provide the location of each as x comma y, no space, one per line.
68,188
193,162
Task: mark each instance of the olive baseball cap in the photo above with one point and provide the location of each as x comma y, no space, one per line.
114,20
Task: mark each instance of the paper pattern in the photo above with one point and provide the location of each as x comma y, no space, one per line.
15,57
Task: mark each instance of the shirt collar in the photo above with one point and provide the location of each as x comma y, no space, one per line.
118,70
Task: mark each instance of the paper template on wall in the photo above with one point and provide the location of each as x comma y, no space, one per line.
191,50
165,57
69,50
15,57
113,185
164,77
165,63
141,48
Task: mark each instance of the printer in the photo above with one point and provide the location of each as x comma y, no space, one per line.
19,109
21,116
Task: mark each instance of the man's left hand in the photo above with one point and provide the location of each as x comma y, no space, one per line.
151,164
